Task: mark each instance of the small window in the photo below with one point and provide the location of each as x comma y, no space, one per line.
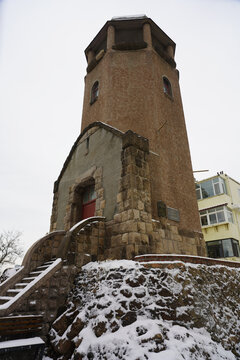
216,215
167,87
94,92
210,188
223,248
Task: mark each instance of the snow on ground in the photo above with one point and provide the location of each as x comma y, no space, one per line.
122,310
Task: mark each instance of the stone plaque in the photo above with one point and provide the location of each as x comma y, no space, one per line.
173,214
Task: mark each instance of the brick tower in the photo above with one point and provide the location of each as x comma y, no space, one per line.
131,162
131,61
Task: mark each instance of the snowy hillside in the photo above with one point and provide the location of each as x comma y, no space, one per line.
123,310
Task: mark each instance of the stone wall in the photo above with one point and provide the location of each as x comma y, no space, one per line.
128,232
86,245
133,230
48,296
132,227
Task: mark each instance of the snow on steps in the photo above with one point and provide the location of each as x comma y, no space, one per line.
24,287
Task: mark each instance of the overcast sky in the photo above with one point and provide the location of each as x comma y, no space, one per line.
42,69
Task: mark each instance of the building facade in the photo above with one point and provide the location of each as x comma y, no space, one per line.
219,209
131,163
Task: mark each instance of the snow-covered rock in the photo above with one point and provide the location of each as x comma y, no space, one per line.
123,310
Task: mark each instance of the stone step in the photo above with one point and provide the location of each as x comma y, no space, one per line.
13,292
35,273
20,285
49,262
28,279
42,267
4,299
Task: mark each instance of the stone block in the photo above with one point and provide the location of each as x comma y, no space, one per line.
140,205
144,216
130,251
193,241
176,247
97,205
171,246
144,239
130,215
124,215
116,229
134,238
149,228
174,229
116,240
119,197
100,193
160,248
141,226
118,218
136,214
99,212
131,226
124,239
126,205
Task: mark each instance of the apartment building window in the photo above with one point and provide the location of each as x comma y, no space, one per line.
210,188
216,215
223,248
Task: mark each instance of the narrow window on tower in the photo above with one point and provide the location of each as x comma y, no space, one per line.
94,92
167,87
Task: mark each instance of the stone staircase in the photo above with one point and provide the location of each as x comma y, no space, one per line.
14,293
31,298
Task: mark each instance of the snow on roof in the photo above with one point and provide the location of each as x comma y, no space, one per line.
129,17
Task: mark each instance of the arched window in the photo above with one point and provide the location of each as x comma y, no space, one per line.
167,87
94,92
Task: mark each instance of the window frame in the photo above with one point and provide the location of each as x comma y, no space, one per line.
220,183
167,87
207,216
223,248
94,92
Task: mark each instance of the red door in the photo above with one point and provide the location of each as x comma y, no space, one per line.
88,209
88,202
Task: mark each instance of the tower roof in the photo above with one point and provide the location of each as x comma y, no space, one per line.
133,22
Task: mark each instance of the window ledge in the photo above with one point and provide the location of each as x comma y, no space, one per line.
216,225
213,196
